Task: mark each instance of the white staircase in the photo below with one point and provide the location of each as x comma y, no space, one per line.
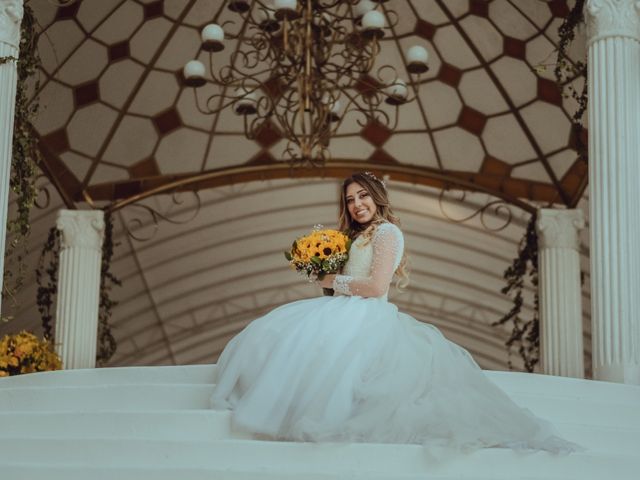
153,423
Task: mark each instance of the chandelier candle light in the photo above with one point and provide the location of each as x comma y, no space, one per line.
302,66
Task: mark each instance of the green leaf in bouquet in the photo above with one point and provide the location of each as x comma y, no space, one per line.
316,260
288,256
348,244
326,265
294,245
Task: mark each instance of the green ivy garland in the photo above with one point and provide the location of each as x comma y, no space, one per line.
47,280
107,344
525,333
566,72
25,157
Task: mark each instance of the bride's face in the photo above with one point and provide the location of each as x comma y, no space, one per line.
361,206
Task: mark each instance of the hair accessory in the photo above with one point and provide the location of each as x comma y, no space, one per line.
372,176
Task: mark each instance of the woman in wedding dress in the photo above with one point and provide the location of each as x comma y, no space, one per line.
352,368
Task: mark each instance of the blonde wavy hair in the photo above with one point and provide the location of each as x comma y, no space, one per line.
383,214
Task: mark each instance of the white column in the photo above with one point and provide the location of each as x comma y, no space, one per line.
614,175
78,286
10,19
559,292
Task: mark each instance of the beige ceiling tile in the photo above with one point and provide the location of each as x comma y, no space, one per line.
517,78
121,24
479,92
510,21
442,103
45,12
483,35
117,82
410,117
85,64
230,150
58,42
459,149
78,164
146,41
56,107
174,8
541,54
548,124
351,148
562,161
402,15
430,11
181,151
107,173
89,127
133,141
157,93
202,12
90,14
182,47
506,141
536,12
457,7
552,30
189,113
413,149
453,48
531,171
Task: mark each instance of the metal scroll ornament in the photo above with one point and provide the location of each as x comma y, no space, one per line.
300,67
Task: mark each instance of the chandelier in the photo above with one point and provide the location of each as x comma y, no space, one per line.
303,66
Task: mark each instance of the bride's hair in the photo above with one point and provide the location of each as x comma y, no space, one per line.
376,188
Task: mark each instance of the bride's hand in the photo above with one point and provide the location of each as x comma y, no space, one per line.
327,281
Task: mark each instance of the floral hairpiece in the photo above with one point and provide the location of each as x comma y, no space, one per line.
372,176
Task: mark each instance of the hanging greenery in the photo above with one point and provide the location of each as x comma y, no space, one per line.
47,280
567,71
25,157
107,344
525,333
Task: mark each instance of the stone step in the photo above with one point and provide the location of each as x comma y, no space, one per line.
206,425
339,460
611,412
107,397
191,374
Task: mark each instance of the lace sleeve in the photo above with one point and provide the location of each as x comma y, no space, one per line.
387,251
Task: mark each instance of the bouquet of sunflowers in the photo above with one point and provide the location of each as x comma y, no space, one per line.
25,353
320,252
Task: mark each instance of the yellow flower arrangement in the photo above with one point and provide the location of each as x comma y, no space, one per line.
25,353
320,252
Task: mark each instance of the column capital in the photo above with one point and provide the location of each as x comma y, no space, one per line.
559,228
612,18
81,228
11,12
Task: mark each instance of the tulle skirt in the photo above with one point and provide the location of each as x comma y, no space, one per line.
354,369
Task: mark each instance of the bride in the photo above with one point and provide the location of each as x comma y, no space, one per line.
352,368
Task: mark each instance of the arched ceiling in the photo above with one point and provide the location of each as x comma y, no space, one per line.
117,122
120,121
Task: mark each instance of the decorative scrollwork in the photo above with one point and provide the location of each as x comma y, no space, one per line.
136,226
497,208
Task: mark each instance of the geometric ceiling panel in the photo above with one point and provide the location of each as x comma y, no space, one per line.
486,95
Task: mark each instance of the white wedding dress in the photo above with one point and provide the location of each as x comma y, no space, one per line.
352,368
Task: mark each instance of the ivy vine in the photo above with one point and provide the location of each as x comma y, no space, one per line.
25,158
567,71
525,333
